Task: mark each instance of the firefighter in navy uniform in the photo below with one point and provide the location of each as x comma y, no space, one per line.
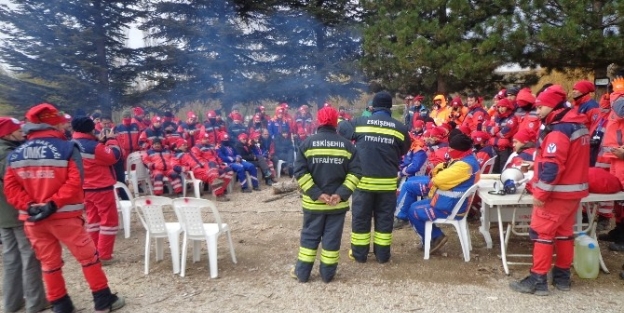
381,141
328,171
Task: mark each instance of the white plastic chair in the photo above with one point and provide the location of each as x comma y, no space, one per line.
137,173
189,212
124,207
460,225
490,162
150,211
189,178
279,168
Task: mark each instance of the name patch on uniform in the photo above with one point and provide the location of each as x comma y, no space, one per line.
379,139
327,160
36,174
325,143
381,123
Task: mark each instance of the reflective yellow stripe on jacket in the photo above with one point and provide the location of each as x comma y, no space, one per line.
305,182
380,130
378,184
308,203
351,181
327,152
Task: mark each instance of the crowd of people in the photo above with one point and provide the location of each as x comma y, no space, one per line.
65,166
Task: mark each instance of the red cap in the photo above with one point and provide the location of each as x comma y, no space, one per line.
479,137
236,117
457,102
138,111
8,125
419,98
45,113
419,123
524,135
327,116
525,97
242,137
190,114
584,86
225,136
438,132
211,114
505,104
156,119
303,108
502,94
255,135
551,96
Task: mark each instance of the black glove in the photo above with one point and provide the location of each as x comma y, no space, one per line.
38,213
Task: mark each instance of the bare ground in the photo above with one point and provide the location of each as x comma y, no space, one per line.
266,237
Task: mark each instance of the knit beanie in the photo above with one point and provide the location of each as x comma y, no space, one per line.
551,97
460,142
83,124
382,100
327,116
45,113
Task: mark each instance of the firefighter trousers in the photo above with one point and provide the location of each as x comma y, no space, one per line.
102,220
46,237
317,228
380,207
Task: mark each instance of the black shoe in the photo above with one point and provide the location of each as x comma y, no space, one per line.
269,182
399,223
256,188
534,284
246,190
561,278
438,243
616,246
616,234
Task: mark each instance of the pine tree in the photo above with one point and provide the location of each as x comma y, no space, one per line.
436,45
567,34
76,45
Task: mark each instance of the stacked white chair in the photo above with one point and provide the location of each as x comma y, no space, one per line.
189,212
124,207
150,210
137,173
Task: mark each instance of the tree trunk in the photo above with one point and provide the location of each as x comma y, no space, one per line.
103,87
441,84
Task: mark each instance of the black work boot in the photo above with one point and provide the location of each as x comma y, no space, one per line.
63,305
105,301
534,283
561,278
616,234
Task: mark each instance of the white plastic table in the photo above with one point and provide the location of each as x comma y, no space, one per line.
509,207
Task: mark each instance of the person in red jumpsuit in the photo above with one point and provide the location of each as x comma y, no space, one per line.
99,155
43,180
201,169
558,185
161,162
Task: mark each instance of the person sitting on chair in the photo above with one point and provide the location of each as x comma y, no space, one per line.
449,182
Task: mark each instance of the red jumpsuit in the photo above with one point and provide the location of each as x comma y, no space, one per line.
102,217
209,153
560,181
201,169
45,169
161,163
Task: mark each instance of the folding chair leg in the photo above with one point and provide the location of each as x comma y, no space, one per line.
196,251
160,250
174,244
427,239
126,221
212,256
462,240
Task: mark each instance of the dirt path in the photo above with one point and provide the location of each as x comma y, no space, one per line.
266,241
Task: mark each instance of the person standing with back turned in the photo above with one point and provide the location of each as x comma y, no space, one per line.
43,180
380,141
327,169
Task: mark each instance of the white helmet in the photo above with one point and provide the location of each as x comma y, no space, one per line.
512,174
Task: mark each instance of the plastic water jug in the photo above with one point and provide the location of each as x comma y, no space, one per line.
586,256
